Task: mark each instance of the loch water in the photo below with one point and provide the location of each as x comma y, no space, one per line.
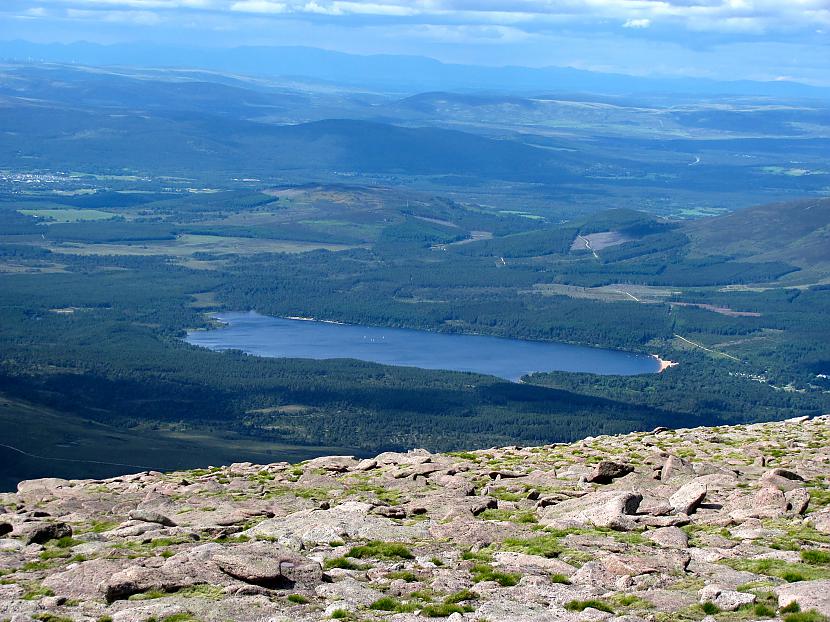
510,359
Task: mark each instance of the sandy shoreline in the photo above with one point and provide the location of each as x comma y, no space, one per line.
313,319
664,365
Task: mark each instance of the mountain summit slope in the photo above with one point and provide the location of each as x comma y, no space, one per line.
664,525
797,232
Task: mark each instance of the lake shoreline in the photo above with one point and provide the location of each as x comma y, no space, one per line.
510,359
664,364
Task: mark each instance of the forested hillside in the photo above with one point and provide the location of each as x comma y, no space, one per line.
99,289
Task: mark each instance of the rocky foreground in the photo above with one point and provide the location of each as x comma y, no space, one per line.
726,523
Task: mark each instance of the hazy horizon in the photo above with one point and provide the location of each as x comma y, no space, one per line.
720,40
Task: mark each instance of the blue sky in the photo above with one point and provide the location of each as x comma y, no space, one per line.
722,39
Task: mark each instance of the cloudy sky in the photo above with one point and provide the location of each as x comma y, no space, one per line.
723,39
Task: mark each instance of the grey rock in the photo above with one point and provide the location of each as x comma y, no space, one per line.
349,592
808,594
268,565
366,465
688,498
38,533
153,611
798,499
772,499
606,471
339,464
614,509
186,569
675,467
669,537
350,520
43,486
726,599
781,483
82,580
529,564
820,521
149,516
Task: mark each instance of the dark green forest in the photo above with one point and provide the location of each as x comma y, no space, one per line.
136,205
94,312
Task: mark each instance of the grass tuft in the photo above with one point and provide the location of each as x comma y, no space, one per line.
387,603
381,550
582,605
342,562
485,572
816,557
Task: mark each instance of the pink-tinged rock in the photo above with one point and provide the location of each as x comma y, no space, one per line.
688,498
808,594
614,509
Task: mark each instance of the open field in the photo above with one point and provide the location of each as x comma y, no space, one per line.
607,293
187,244
598,241
30,267
717,309
37,438
68,215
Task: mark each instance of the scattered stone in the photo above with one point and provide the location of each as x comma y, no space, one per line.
808,595
394,511
820,521
504,474
782,479
339,464
366,465
606,471
148,516
297,543
675,467
38,533
268,565
669,537
798,499
600,509
725,599
688,498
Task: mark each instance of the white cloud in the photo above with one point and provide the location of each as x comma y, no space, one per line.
140,18
259,6
739,16
479,34
359,8
143,4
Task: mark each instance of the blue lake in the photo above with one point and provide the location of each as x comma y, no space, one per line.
511,359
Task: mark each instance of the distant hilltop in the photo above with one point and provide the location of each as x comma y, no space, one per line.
666,525
402,73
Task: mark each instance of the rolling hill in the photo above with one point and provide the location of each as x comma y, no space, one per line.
797,232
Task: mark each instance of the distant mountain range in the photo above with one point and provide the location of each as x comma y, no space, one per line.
404,74
208,125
